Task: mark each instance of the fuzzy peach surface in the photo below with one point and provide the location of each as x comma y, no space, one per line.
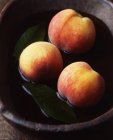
83,87
41,61
72,32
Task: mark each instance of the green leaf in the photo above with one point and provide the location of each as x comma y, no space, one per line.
32,34
48,101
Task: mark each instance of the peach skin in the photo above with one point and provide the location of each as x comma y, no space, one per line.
81,85
41,62
71,32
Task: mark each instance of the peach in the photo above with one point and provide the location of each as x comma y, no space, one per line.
81,85
41,62
71,32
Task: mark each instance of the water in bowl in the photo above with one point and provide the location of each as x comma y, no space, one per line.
99,57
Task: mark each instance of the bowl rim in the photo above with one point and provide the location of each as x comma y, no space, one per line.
34,126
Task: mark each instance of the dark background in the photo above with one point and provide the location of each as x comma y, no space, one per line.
8,132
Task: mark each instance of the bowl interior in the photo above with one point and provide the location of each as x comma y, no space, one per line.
24,13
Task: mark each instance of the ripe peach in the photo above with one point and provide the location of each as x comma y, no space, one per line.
81,85
71,32
41,61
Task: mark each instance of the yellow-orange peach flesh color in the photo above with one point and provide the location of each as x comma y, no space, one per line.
81,85
41,61
72,32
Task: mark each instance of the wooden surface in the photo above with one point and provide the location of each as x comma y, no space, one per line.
7,132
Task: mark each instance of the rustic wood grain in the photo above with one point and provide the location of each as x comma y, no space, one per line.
7,132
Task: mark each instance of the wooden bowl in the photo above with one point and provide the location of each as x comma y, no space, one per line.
15,18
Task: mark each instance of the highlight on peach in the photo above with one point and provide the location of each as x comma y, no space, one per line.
41,62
